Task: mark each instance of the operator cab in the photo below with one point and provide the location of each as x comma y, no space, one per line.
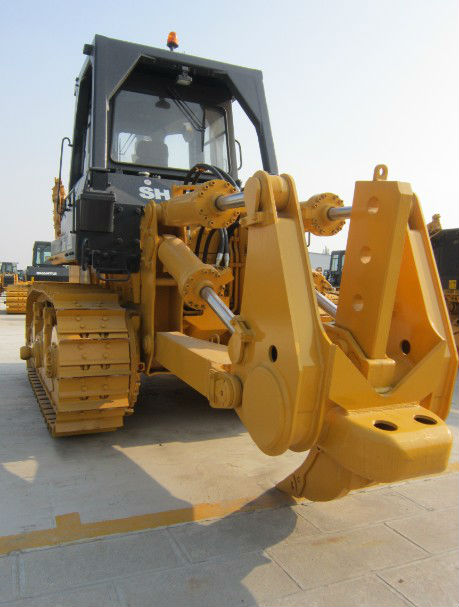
8,270
42,268
144,118
41,253
335,271
7,267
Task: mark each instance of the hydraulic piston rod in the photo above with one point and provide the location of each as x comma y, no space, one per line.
236,201
218,306
226,316
232,201
328,306
339,213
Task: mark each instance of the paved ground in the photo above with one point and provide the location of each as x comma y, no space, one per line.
178,460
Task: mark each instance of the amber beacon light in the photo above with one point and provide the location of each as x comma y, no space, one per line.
172,41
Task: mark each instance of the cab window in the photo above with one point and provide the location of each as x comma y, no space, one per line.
165,132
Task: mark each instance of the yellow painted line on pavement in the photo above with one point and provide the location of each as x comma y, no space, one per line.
69,527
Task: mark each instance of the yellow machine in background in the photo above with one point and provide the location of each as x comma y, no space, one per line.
445,244
41,269
8,275
14,286
16,298
363,386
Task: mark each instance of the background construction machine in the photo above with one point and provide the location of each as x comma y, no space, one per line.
175,269
335,271
8,274
42,270
445,245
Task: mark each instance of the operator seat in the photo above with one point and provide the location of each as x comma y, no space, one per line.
152,153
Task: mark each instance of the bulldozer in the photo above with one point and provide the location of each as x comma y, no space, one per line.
8,274
335,271
177,267
16,294
445,244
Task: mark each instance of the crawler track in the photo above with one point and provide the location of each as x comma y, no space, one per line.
84,363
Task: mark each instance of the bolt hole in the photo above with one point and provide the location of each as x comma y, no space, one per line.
424,419
383,425
357,303
405,346
365,255
373,206
272,353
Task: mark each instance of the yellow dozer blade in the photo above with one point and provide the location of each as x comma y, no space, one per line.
16,298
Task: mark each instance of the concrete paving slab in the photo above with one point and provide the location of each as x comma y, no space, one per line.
358,510
335,557
247,580
19,498
77,564
7,578
435,493
241,579
241,533
435,531
101,595
362,592
432,582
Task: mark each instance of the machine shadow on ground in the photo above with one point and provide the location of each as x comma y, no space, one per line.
164,401
41,477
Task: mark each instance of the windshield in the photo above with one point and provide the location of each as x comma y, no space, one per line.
42,254
167,132
8,267
336,265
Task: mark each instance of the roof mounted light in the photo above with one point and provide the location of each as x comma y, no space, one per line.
172,41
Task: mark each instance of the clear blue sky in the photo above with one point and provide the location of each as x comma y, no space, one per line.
349,83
